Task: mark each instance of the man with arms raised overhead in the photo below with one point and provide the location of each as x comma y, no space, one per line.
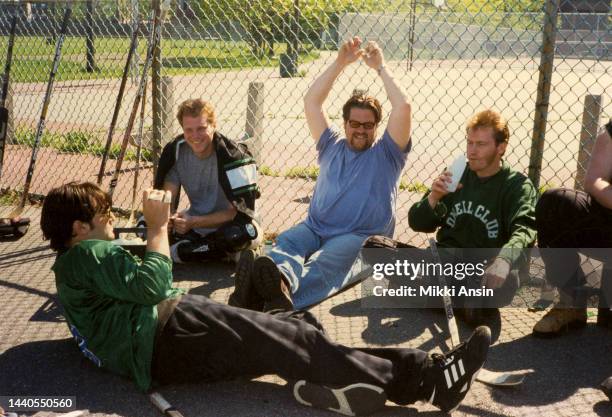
354,197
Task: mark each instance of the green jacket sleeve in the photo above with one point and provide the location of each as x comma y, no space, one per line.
422,218
122,276
520,220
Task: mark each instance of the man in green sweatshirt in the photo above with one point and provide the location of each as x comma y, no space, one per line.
126,318
492,207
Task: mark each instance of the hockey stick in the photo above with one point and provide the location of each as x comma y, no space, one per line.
164,406
4,113
124,77
154,39
484,376
43,113
138,155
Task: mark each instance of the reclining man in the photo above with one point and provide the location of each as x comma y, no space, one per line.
493,207
354,196
219,177
127,318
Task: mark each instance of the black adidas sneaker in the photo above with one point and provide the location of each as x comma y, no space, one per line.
353,400
452,374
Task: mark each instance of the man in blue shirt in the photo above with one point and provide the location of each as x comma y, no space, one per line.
354,197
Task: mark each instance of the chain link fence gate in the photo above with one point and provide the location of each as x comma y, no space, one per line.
255,60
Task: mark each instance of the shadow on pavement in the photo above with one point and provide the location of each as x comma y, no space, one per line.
603,408
559,366
56,368
208,277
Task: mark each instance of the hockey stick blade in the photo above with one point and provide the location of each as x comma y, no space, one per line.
499,379
496,379
164,406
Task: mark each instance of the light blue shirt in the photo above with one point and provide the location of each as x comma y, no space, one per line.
356,192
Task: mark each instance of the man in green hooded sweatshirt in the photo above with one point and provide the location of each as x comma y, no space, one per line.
492,207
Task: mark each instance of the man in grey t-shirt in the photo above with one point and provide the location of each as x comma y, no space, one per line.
212,170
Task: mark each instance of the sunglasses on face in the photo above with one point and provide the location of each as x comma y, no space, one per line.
366,125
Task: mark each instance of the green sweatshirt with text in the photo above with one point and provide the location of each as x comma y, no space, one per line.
494,212
110,303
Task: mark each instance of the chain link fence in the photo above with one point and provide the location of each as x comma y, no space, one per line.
256,59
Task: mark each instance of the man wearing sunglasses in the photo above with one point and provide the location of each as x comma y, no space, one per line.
354,196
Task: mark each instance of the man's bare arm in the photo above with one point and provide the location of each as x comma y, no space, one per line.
184,222
348,53
213,220
599,173
156,209
400,118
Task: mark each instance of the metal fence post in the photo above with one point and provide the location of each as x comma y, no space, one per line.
590,124
167,109
544,82
10,126
411,35
254,117
90,66
156,100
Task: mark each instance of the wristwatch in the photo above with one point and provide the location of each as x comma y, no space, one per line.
608,127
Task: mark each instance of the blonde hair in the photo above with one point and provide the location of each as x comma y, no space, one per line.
195,107
492,119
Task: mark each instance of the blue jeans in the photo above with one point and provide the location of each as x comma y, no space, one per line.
317,268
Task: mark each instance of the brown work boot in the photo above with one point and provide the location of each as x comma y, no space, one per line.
604,317
271,285
560,319
244,295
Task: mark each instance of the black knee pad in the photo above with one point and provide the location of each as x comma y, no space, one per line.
234,237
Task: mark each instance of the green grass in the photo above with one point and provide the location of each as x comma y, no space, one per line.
416,187
9,197
32,57
77,142
268,172
545,187
310,172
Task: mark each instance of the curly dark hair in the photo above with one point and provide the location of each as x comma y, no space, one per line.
362,101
